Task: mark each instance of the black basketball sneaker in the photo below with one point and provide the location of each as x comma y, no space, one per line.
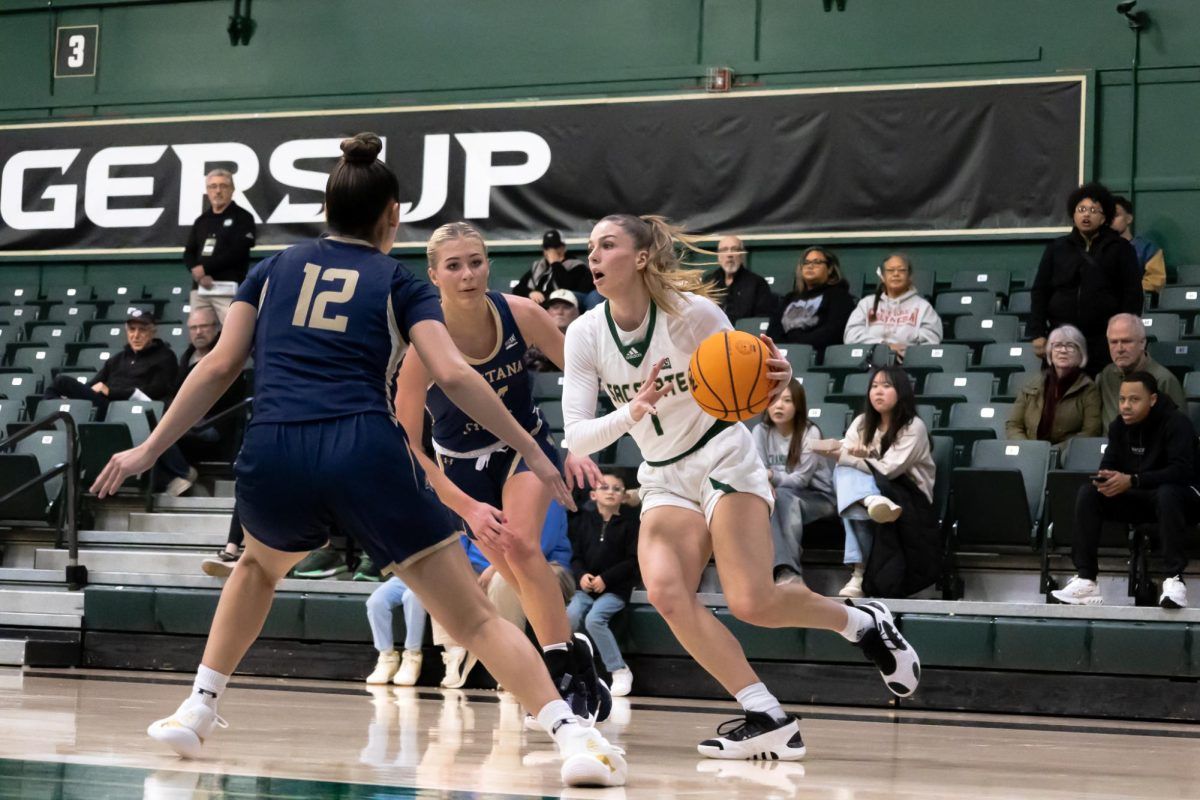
756,737
897,660
599,697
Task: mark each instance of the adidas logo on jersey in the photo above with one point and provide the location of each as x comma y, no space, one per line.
632,352
511,342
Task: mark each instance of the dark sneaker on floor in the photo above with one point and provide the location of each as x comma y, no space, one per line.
367,571
599,697
887,649
324,562
756,737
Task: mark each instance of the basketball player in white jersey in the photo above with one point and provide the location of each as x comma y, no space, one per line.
704,492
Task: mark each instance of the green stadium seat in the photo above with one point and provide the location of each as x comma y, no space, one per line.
922,359
111,334
1191,385
175,334
1179,357
943,463
9,334
832,418
843,359
1021,304
1013,384
1003,358
924,281
18,295
1183,300
1163,327
116,293
69,313
552,413
10,412
98,442
30,505
50,449
800,356
18,314
853,391
985,329
55,332
930,415
175,290
135,413
753,325
969,423
993,280
16,386
816,385
36,357
957,303
946,389
80,410
626,454
67,294
1187,275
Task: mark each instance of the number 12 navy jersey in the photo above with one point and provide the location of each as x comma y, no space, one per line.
334,317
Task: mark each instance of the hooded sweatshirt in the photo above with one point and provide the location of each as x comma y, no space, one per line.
907,319
1159,450
813,471
815,316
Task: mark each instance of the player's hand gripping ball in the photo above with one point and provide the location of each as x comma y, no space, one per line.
728,374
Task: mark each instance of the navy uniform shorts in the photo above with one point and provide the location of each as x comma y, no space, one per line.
296,481
483,478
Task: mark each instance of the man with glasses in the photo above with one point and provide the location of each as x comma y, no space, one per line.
177,475
218,247
1086,277
1127,346
745,293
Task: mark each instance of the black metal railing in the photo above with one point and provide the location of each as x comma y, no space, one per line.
68,500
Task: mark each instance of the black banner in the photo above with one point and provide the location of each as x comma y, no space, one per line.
978,158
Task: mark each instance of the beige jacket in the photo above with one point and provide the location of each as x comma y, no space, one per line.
910,454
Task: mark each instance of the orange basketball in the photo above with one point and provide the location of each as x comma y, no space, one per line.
728,374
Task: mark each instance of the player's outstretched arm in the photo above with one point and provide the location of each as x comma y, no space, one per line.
203,387
471,393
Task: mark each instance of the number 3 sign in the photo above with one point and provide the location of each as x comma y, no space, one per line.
75,51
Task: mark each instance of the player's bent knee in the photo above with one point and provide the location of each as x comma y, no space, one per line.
753,608
669,599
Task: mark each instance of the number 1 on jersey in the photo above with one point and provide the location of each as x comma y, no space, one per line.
319,320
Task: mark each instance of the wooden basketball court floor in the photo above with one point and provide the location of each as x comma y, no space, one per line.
79,735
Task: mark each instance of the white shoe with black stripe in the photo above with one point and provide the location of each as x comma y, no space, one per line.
898,662
756,737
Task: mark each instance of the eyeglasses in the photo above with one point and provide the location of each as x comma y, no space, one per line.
814,262
1066,347
214,186
1094,211
896,271
202,326
732,250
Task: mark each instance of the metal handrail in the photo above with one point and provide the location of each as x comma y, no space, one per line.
76,573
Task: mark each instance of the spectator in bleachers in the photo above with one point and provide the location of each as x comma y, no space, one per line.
605,568
143,370
1148,473
554,270
563,308
1061,401
817,309
801,479
1150,256
895,315
1085,277
218,246
200,444
743,293
1127,345
888,441
556,546
402,670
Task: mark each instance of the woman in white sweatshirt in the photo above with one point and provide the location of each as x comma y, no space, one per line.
895,315
802,480
891,438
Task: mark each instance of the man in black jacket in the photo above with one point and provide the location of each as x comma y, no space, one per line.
553,271
604,561
1148,474
745,293
1086,277
145,366
218,247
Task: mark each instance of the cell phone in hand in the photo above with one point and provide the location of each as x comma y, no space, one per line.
1097,478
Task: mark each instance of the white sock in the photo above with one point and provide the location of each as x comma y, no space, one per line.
758,698
858,622
208,686
557,720
559,646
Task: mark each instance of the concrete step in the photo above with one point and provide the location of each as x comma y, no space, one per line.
223,488
42,600
164,502
28,575
160,538
180,523
18,619
12,652
173,562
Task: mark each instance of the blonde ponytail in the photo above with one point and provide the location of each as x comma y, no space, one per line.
668,274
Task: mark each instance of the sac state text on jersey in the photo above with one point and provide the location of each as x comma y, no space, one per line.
676,382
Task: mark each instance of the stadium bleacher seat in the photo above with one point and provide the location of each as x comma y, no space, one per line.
625,453
1163,326
175,334
816,385
18,315
1183,300
957,303
68,313
18,295
1179,357
1021,304
50,449
943,390
752,325
998,498
546,385
1004,358
98,442
800,356
930,415
993,280
37,358
1191,385
135,415
16,386
1012,384
1187,275
832,418
843,359
80,410
971,422
553,414
922,359
977,329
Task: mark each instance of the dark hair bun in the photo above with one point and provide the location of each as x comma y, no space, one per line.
363,148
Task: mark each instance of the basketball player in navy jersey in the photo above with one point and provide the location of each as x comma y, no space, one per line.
493,331
328,321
